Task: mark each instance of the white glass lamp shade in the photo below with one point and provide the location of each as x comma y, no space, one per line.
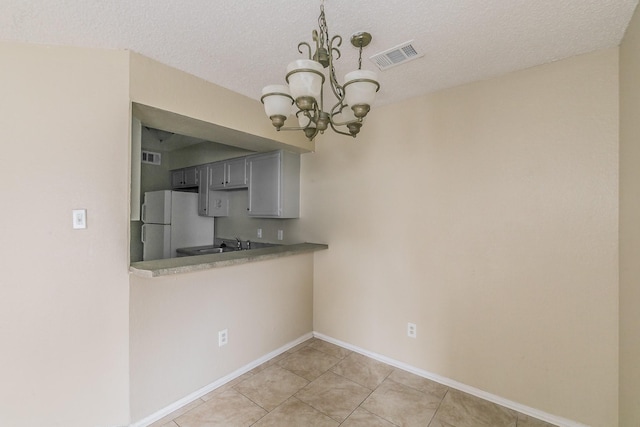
305,83
277,100
360,92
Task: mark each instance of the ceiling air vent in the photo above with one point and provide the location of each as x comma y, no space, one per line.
395,56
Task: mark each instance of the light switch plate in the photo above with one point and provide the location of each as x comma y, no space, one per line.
79,219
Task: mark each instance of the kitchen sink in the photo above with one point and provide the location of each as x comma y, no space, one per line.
204,250
220,248
213,250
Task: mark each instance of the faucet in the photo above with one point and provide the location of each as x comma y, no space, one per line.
239,244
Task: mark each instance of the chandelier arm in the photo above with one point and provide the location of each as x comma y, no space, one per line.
306,131
304,44
309,131
334,43
348,122
363,80
294,128
319,43
335,113
313,118
339,131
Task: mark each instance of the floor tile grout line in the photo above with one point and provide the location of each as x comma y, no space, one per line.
359,405
293,395
438,408
337,374
373,414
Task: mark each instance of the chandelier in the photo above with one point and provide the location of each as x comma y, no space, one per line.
306,79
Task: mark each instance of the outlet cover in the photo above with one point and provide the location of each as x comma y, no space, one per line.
223,337
411,330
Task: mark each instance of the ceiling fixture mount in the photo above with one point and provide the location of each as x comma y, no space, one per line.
305,80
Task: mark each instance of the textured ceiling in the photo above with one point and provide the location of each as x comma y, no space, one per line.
244,45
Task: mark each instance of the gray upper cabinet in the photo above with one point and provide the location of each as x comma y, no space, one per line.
203,189
236,173
274,185
210,203
228,174
273,180
217,175
185,178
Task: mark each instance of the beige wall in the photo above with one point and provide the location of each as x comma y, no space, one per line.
487,215
175,322
64,293
629,229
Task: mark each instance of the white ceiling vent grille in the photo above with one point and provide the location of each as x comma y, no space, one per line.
396,55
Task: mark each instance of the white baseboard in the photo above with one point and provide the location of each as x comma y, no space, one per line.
535,413
218,383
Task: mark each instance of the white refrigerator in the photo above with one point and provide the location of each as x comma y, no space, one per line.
170,221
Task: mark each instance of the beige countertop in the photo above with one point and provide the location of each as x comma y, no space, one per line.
165,267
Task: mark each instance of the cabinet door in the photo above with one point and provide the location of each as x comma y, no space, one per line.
191,177
203,190
217,175
236,171
264,185
177,178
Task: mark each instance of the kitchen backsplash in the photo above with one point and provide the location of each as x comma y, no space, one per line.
240,224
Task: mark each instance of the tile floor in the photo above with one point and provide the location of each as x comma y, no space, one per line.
320,384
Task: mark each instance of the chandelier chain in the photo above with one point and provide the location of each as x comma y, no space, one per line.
322,24
326,42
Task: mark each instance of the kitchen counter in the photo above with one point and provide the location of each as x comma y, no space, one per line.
165,267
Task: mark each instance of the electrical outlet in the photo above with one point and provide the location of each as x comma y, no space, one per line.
259,233
223,337
280,235
411,330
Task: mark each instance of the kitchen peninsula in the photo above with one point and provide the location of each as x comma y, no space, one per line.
169,266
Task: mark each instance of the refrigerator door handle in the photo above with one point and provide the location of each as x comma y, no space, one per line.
142,233
144,211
